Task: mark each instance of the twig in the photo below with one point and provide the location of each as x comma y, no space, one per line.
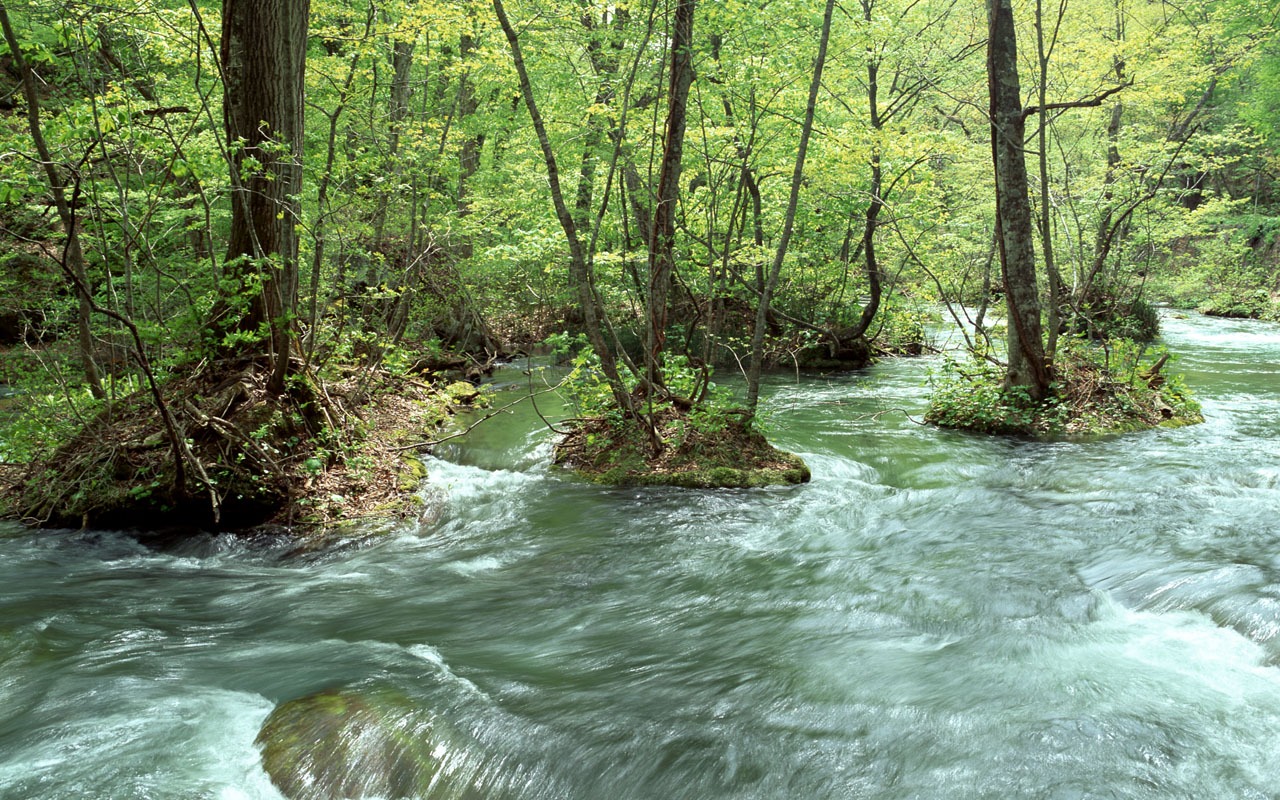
534,403
877,415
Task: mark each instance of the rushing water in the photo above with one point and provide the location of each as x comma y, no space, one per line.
937,615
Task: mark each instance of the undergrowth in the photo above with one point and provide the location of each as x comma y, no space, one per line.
695,436
1099,388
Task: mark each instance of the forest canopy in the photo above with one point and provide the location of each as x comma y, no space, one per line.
246,219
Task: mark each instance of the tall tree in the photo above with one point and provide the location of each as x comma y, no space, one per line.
1014,233
581,275
662,233
788,225
264,47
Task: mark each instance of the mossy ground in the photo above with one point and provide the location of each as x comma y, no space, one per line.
714,449
322,454
1089,399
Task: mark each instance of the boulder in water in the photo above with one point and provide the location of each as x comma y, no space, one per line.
347,743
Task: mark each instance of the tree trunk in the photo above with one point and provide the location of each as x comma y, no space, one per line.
319,228
662,235
797,177
264,46
472,145
580,273
401,95
1046,216
1027,369
1105,237
876,203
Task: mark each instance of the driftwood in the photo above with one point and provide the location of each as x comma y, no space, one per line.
1152,373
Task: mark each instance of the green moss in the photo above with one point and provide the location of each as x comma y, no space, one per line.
462,393
412,473
342,743
714,450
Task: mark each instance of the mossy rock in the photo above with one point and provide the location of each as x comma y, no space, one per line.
346,743
412,473
725,453
711,477
463,393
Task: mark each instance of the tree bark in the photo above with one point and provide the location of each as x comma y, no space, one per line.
1105,237
264,46
401,95
580,274
472,145
1027,369
662,235
1046,209
876,203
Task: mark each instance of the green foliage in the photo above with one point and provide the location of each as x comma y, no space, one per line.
970,395
1098,389
434,225
34,423
902,324
585,386
1111,315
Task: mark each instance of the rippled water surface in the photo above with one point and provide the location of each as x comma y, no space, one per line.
937,615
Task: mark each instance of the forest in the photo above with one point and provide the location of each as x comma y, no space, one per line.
253,252
671,400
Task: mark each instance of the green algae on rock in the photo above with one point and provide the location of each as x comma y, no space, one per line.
353,743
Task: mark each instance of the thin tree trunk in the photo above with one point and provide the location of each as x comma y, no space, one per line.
662,235
1104,238
797,177
320,228
579,270
876,204
73,255
472,145
1046,216
401,94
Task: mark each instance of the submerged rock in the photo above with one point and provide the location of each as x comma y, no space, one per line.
346,743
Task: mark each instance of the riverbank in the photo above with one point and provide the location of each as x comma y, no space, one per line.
224,454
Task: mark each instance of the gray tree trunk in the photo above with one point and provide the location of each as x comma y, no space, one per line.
662,234
1014,232
580,272
797,177
73,257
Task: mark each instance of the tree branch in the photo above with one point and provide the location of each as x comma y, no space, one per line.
1092,102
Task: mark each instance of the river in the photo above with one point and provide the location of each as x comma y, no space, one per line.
936,615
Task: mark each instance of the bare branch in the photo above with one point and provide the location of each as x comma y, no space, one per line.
1092,102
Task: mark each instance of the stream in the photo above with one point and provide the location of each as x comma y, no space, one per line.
937,615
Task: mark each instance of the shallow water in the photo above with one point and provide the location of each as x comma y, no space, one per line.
937,615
